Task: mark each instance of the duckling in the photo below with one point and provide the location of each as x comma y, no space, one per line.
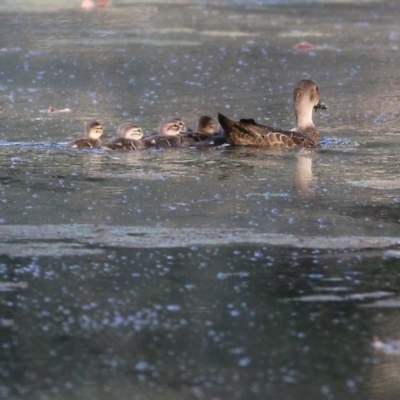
176,120
171,134
129,137
205,125
167,134
164,128
93,132
305,134
206,134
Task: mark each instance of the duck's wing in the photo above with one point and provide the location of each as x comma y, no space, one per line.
249,132
251,122
238,133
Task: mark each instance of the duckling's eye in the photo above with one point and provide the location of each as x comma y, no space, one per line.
316,88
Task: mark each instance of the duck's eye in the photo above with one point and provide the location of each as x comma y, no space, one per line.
316,88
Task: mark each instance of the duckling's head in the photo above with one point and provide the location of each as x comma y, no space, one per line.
130,131
162,128
171,127
205,125
306,99
93,130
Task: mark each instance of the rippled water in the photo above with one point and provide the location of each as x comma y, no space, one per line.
225,273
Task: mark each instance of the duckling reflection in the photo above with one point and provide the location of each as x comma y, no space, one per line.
303,181
129,137
93,132
305,134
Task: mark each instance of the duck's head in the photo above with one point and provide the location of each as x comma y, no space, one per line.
168,126
306,99
93,130
130,131
171,127
205,125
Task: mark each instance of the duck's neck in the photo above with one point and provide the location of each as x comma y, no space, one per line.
303,118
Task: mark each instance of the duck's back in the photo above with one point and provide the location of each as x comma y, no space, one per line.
249,133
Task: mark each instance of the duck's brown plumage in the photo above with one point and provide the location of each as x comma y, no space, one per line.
305,134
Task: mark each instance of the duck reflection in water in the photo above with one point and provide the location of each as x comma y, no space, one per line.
303,181
304,134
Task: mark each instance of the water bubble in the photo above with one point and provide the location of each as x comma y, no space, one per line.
142,366
173,307
244,362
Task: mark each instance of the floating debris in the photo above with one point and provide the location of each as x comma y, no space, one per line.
377,184
10,286
391,347
392,253
53,110
335,297
304,46
387,303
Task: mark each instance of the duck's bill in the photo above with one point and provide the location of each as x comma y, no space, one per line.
320,106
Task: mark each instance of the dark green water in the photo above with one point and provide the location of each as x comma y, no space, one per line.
229,273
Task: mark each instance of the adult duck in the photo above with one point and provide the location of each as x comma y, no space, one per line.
304,134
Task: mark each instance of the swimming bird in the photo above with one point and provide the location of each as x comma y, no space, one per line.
93,132
128,137
166,135
305,134
206,134
171,134
205,124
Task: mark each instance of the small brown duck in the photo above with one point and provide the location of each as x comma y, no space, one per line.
205,125
128,137
305,134
168,126
93,132
166,135
171,134
205,132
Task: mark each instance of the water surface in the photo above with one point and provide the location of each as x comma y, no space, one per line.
224,273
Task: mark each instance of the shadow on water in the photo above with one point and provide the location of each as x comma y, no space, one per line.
199,274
